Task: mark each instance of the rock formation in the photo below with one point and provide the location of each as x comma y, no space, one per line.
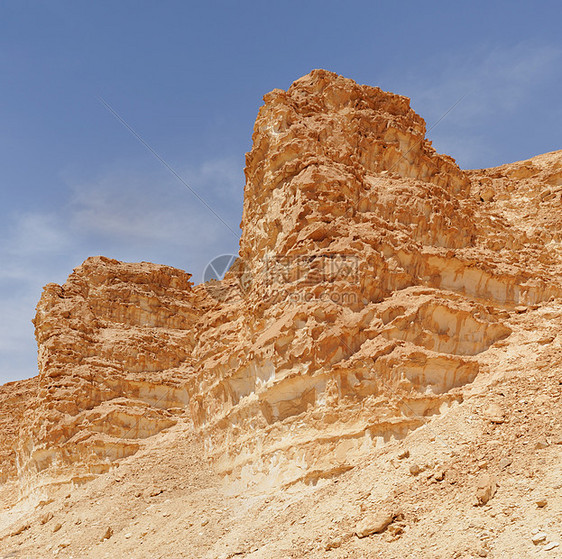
109,342
374,277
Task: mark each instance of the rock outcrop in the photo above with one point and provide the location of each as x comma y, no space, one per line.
14,399
110,341
373,275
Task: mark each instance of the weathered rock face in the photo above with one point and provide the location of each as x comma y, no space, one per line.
320,150
527,194
14,399
375,282
373,275
109,342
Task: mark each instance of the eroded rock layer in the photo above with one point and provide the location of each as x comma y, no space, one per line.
373,274
110,342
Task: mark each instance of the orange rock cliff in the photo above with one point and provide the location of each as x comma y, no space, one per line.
374,283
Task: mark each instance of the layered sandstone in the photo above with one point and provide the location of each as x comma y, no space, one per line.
374,276
14,399
376,280
110,342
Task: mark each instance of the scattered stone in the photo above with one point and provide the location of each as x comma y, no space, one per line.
128,535
494,412
403,454
539,537
374,524
541,443
505,462
550,546
486,487
46,517
545,340
439,475
20,529
45,502
205,522
64,543
57,527
334,543
415,469
107,534
541,502
396,529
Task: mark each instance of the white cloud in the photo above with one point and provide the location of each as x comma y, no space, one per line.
130,207
497,79
487,85
32,234
32,245
15,327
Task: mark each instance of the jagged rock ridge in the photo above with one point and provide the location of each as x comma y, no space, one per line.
373,273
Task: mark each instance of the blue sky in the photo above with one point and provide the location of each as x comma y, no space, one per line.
189,78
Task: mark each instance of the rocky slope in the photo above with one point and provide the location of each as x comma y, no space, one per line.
387,337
